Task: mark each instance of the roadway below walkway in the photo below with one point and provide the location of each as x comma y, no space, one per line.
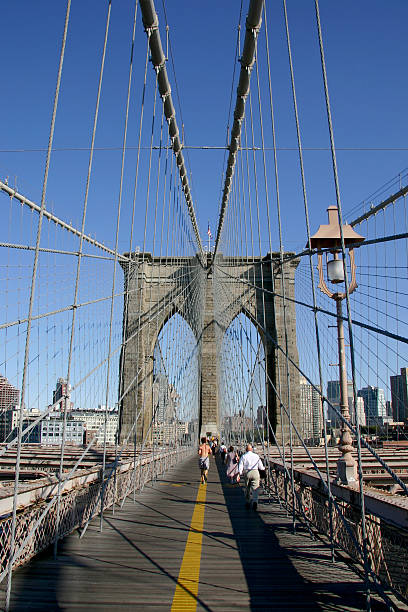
148,557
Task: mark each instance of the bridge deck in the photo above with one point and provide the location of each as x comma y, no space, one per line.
249,560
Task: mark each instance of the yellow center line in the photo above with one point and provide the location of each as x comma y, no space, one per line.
185,596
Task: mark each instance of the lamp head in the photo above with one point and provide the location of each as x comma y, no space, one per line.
328,236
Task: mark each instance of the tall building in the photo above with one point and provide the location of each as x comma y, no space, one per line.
261,417
9,395
310,407
361,416
399,395
333,395
60,395
374,404
9,408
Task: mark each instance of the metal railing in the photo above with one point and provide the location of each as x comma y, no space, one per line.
80,500
387,543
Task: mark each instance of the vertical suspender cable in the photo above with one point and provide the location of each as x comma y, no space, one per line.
350,328
150,363
139,268
144,365
151,23
131,263
118,213
306,207
282,272
253,24
31,303
78,271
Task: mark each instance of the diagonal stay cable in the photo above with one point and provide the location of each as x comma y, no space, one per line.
59,222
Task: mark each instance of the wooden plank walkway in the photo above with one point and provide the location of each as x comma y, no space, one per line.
250,560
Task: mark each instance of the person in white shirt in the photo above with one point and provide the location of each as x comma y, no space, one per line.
249,466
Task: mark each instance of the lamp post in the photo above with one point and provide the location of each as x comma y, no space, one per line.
329,237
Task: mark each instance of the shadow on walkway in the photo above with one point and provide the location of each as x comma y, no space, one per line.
40,581
300,576
251,560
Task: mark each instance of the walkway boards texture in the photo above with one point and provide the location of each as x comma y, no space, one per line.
249,560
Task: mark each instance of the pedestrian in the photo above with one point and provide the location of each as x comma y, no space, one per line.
231,461
249,466
223,451
204,452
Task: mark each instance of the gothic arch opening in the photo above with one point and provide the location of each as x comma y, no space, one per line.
172,312
176,383
242,382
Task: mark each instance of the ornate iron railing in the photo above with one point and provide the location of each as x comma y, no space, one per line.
340,521
78,504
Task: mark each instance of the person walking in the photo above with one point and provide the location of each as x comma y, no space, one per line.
231,461
223,451
204,452
249,466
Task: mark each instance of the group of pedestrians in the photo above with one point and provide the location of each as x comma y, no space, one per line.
249,466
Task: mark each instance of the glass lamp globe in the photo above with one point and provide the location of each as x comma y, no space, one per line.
335,271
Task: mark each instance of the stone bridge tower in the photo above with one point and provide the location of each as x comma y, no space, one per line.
257,287
156,288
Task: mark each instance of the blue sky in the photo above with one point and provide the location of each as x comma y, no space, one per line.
366,50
